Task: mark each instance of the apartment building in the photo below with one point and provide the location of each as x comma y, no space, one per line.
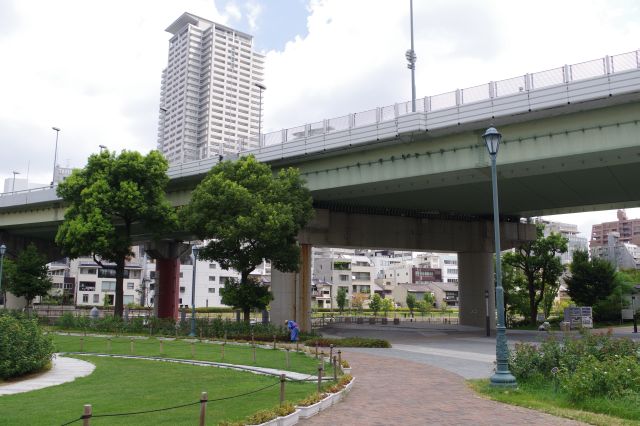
209,98
622,254
627,229
570,231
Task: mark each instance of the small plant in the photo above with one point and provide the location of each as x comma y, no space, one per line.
312,399
344,380
349,342
345,364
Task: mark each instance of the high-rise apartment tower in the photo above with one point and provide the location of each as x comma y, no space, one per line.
209,101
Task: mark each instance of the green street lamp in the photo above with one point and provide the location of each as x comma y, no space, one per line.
502,376
194,257
3,250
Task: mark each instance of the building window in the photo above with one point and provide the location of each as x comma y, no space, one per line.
182,289
129,286
88,271
111,273
212,278
180,274
212,290
212,266
127,300
85,298
96,298
344,277
108,286
87,286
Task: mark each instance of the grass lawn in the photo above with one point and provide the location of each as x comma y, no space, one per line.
543,397
121,385
233,354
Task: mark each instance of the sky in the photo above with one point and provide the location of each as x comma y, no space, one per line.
92,68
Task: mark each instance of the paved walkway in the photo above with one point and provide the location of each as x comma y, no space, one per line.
399,392
63,370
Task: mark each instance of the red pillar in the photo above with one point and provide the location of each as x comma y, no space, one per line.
168,285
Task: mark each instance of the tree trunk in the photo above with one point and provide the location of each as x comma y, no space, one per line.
247,312
118,303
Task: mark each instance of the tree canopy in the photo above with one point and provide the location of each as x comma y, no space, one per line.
105,199
540,266
375,304
27,276
245,296
595,283
341,298
247,214
411,302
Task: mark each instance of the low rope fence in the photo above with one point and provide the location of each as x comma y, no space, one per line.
334,362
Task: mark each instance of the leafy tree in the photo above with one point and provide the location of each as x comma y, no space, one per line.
106,198
357,300
27,276
246,296
590,280
516,297
595,283
429,299
387,305
540,266
422,307
247,214
411,302
341,298
376,304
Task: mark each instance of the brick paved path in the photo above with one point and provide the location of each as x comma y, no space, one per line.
396,392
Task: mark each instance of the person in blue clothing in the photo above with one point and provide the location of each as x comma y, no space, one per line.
294,329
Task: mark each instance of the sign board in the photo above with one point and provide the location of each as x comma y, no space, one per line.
627,314
579,316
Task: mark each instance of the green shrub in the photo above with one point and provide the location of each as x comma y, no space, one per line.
613,377
23,347
348,342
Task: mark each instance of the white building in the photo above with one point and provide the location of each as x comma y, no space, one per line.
209,101
210,278
622,254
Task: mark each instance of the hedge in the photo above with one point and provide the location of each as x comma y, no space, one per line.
23,347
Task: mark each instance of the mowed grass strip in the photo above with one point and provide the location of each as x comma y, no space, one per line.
543,397
233,353
124,385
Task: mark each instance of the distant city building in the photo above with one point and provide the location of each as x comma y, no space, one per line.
209,101
622,254
627,229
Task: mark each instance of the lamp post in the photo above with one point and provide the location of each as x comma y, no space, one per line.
502,376
411,59
194,258
13,184
261,87
487,318
55,155
102,148
3,250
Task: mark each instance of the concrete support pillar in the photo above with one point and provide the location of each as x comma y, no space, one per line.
167,287
475,275
292,293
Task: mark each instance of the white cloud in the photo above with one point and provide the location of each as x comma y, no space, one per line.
233,11
254,9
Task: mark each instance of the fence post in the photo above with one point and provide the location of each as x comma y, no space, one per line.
331,351
320,378
283,378
274,341
82,344
287,357
161,347
203,408
109,344
222,358
297,348
131,345
86,415
335,368
193,350
340,357
316,350
322,358
254,353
